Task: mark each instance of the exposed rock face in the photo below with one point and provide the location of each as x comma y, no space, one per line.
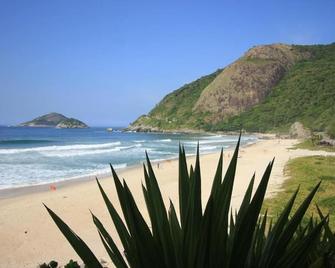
247,81
298,131
54,120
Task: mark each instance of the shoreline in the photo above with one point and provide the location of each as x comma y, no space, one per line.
45,187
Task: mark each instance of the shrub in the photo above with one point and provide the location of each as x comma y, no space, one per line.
331,130
52,264
213,237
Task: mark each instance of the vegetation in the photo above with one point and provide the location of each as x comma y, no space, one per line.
307,171
71,123
305,94
313,144
54,120
331,129
51,119
175,110
54,264
214,237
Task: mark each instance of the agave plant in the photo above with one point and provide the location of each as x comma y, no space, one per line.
197,237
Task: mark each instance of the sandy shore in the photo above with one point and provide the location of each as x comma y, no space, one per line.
28,236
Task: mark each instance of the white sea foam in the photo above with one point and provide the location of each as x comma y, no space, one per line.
120,166
220,141
46,176
213,137
163,140
71,153
60,148
208,148
160,152
129,147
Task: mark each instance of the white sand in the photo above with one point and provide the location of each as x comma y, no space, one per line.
28,235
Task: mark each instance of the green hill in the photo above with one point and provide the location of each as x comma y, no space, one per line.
175,110
267,89
54,120
306,94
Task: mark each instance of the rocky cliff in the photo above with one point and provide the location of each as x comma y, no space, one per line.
247,81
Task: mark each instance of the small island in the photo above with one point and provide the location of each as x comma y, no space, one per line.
54,120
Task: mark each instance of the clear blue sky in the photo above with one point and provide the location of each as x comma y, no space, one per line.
107,62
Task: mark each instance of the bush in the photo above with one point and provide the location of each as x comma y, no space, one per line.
331,130
52,264
72,264
215,237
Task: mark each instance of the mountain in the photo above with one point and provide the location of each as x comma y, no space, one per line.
268,89
54,120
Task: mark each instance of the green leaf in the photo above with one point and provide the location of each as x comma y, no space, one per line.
184,186
119,225
244,234
75,241
109,244
285,237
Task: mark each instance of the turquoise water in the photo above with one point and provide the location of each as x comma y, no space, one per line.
31,156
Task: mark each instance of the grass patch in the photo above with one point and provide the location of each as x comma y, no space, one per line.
307,172
310,145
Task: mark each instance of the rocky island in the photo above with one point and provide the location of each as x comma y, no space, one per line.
55,120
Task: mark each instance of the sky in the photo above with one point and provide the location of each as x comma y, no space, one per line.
108,62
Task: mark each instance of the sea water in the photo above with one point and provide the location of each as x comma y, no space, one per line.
31,156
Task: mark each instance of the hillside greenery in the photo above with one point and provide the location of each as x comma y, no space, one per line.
305,94
331,129
175,110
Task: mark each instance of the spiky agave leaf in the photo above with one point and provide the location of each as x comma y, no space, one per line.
76,242
279,246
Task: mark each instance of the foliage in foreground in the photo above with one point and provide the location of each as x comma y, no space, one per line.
213,237
54,264
306,172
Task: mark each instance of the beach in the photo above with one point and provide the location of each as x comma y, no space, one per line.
29,236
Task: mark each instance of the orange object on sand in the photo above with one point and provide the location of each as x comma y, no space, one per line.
53,187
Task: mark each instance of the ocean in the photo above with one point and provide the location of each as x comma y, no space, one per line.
33,156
